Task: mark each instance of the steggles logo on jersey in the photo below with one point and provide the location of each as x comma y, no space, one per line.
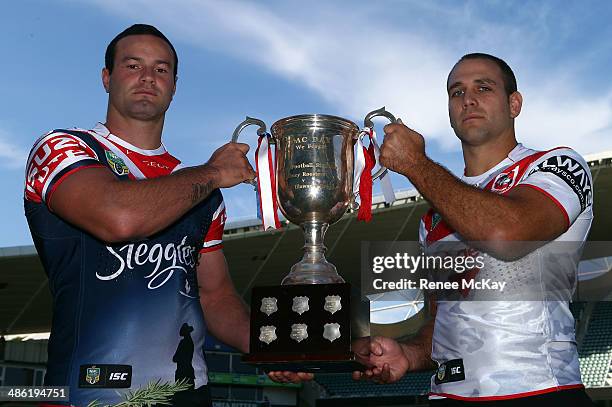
573,173
116,163
165,259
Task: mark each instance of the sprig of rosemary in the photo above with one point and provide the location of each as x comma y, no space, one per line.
154,393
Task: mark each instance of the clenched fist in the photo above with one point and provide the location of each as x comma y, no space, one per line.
402,148
231,165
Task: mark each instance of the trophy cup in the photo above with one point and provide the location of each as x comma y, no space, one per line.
312,321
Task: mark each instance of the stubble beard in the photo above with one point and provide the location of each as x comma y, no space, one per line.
473,136
145,110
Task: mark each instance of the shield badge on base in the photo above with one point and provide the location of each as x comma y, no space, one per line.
300,305
299,332
332,304
331,332
268,305
267,334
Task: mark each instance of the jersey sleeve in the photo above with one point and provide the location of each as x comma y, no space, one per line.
564,176
214,237
53,157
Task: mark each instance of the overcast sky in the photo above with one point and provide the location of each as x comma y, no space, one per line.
279,58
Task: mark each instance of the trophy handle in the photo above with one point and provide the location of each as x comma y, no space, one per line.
246,123
260,132
367,122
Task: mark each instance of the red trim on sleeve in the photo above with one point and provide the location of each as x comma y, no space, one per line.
212,248
215,231
63,177
427,218
438,231
510,396
555,201
52,154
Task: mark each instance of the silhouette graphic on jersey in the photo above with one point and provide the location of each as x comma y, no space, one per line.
184,355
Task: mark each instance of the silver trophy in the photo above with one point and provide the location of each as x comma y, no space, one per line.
314,181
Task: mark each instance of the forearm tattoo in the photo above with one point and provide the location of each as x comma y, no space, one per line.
200,191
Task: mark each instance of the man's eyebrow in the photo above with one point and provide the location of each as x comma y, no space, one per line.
138,59
127,58
479,81
486,80
454,85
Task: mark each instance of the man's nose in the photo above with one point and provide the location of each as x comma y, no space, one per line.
147,74
469,99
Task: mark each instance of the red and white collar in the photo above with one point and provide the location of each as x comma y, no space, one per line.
516,154
101,130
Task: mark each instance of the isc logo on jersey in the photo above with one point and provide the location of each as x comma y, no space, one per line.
118,376
105,376
450,371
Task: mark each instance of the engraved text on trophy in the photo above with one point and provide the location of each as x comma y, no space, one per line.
312,164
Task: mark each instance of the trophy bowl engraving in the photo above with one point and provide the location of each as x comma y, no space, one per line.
314,167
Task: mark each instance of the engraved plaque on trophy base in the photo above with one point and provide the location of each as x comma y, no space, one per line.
308,328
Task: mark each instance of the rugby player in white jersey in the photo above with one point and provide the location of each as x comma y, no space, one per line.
500,352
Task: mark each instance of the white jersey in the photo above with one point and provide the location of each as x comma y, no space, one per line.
495,350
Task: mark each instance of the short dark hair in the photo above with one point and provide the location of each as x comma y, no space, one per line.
136,29
507,74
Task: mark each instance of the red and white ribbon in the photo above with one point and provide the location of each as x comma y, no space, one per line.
266,183
385,179
365,160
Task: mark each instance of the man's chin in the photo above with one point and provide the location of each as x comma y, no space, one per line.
146,112
473,136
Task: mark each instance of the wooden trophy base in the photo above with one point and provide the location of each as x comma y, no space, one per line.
308,328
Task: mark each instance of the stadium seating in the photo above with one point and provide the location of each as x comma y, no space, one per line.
341,385
596,350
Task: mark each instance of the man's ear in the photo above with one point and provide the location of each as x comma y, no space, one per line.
105,79
516,103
